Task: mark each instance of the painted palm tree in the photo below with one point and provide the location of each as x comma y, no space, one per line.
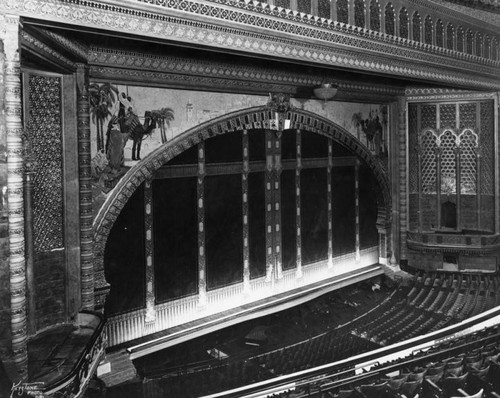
102,99
163,117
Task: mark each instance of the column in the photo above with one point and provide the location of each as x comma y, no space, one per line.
202,268
277,205
356,208
244,189
297,205
403,199
270,260
15,200
149,246
330,204
458,186
85,188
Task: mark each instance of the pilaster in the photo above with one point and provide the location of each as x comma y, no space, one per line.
15,198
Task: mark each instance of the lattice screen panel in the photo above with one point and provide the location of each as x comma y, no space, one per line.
448,163
428,161
468,164
324,10
448,116
343,11
487,148
468,115
413,145
359,13
428,117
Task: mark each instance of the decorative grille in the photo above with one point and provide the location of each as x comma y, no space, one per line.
428,162
416,26
304,6
439,33
413,145
374,16
45,132
487,147
448,145
450,33
468,115
389,19
359,13
468,165
343,11
460,39
324,9
428,30
428,116
403,23
479,44
448,116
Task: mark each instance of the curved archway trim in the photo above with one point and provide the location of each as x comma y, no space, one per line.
247,119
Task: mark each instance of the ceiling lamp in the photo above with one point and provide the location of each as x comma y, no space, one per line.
326,91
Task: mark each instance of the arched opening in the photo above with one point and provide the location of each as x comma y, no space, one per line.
234,201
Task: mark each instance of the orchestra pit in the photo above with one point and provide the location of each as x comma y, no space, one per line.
243,198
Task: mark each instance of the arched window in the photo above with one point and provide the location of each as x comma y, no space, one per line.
487,47
450,36
428,30
494,50
479,44
460,39
375,15
324,9
389,19
403,23
439,33
469,40
416,23
359,13
343,11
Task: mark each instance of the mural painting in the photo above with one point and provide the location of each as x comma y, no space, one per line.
129,122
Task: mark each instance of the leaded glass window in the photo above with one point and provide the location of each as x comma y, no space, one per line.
460,39
439,33
359,13
450,33
324,9
343,11
479,44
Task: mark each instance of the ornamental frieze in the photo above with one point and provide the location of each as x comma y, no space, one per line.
344,46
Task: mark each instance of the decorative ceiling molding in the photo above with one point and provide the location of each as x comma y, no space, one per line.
36,46
115,65
347,47
434,94
71,46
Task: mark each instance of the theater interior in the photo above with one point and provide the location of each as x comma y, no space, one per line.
241,198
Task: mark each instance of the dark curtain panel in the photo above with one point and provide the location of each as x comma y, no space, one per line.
257,224
368,234
124,258
314,215
224,233
175,236
288,219
344,221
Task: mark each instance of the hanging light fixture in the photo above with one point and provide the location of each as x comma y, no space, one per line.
326,91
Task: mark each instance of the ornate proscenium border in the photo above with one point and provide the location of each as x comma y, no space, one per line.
231,29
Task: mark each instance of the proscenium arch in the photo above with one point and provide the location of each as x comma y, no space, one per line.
247,119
